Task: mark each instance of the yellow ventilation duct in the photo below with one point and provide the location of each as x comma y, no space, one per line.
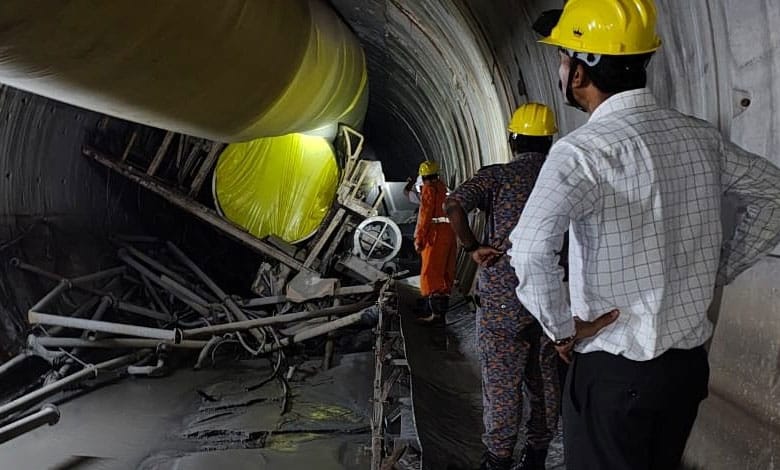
228,70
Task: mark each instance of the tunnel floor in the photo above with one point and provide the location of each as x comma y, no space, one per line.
446,388
210,419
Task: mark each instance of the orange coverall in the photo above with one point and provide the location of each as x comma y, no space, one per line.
437,241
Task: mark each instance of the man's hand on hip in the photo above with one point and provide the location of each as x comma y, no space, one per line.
585,329
486,255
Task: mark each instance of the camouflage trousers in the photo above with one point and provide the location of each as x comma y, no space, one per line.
515,352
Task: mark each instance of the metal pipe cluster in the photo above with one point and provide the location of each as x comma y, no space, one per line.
155,300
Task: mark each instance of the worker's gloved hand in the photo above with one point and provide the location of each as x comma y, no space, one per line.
486,255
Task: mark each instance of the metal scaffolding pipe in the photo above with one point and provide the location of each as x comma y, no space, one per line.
286,318
15,361
172,284
54,387
319,330
17,263
106,327
278,299
115,343
80,311
154,263
48,298
48,414
98,276
144,271
165,271
155,296
221,295
143,311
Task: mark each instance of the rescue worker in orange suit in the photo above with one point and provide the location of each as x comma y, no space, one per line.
513,349
434,240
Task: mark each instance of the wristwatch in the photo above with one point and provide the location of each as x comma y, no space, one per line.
564,341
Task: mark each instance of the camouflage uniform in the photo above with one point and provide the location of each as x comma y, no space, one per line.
513,349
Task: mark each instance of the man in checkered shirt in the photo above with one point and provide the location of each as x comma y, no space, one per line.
639,187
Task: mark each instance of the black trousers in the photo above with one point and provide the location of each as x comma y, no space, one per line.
620,414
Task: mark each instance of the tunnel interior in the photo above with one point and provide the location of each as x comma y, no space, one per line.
444,76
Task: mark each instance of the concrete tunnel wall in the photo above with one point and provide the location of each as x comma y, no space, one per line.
445,74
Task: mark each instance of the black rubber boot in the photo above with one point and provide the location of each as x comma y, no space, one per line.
491,462
436,310
425,315
532,459
440,304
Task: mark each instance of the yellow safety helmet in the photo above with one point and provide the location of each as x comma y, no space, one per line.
428,168
533,119
608,27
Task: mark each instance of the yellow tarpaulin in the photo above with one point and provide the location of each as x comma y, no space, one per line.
279,185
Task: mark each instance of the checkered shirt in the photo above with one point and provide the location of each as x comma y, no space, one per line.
640,189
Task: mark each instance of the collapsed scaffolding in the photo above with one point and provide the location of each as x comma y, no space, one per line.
158,299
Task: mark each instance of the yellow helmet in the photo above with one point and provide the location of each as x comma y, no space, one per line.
608,27
428,168
533,119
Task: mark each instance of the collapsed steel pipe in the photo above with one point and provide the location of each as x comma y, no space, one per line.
221,295
54,387
15,361
174,285
106,327
147,370
278,299
286,318
154,263
48,414
366,315
48,298
143,311
155,296
77,282
17,263
144,271
165,271
115,343
98,276
66,284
